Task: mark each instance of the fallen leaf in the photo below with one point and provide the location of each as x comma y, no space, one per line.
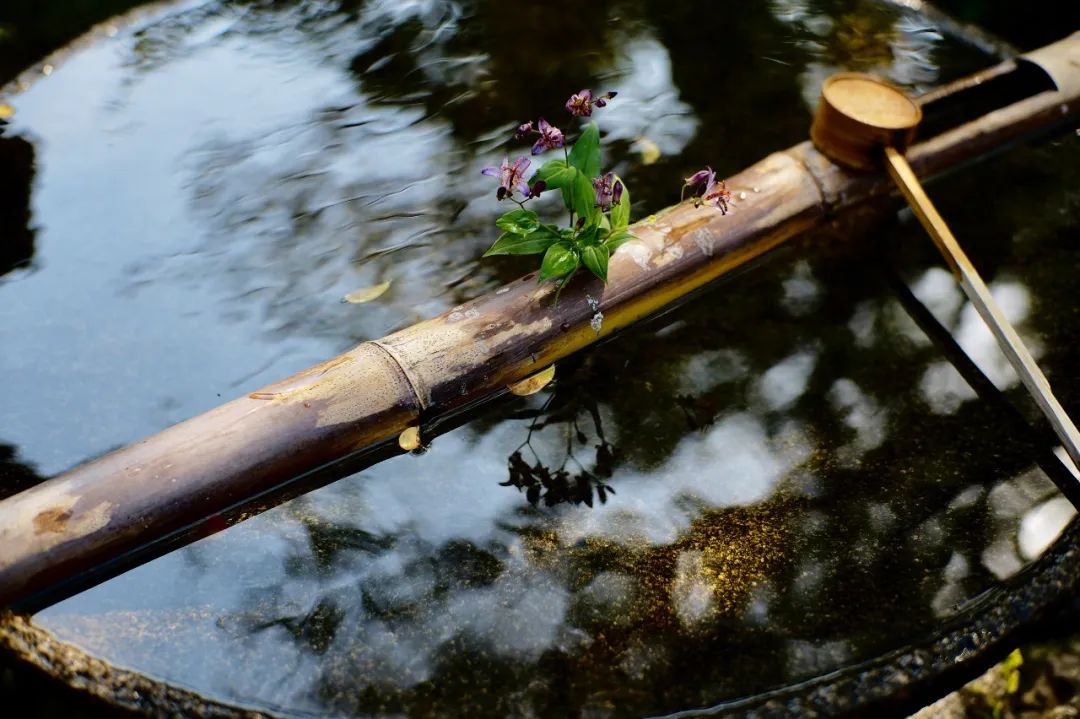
650,151
533,384
366,294
409,439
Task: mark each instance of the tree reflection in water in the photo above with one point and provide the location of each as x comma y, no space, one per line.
15,476
791,497
16,234
563,408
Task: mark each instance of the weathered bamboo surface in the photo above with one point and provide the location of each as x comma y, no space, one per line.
188,474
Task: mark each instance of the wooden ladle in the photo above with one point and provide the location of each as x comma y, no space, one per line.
862,122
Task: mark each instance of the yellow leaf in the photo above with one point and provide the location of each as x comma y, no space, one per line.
409,439
533,384
6,111
366,294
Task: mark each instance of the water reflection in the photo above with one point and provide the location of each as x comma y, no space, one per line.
789,533
15,476
16,232
862,37
649,114
942,386
787,496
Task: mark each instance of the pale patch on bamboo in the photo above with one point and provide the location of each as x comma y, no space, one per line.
49,518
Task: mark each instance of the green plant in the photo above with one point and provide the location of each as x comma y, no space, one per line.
598,202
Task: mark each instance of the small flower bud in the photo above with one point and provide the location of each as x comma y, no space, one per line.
524,130
704,178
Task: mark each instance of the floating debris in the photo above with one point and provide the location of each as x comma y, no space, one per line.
650,151
409,440
533,384
366,294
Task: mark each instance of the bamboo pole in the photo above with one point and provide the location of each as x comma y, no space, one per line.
186,476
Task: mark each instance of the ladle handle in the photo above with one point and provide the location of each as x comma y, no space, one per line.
977,291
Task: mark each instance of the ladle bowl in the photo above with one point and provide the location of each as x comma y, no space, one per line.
858,115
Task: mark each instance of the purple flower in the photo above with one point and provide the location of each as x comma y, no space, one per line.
703,178
537,187
511,177
580,104
708,190
718,195
607,187
550,137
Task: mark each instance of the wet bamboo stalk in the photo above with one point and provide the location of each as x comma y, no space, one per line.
187,475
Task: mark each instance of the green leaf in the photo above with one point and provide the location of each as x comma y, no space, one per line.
582,197
620,213
560,259
589,236
616,240
595,258
555,174
531,244
585,154
518,222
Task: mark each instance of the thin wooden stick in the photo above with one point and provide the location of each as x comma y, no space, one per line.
979,294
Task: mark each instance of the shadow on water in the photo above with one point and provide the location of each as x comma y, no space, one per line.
1027,30
14,475
29,29
784,477
16,234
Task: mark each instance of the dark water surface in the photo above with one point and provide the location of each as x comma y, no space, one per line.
802,479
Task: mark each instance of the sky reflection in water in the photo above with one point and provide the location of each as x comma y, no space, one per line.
802,479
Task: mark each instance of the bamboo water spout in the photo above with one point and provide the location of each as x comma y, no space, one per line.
167,486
